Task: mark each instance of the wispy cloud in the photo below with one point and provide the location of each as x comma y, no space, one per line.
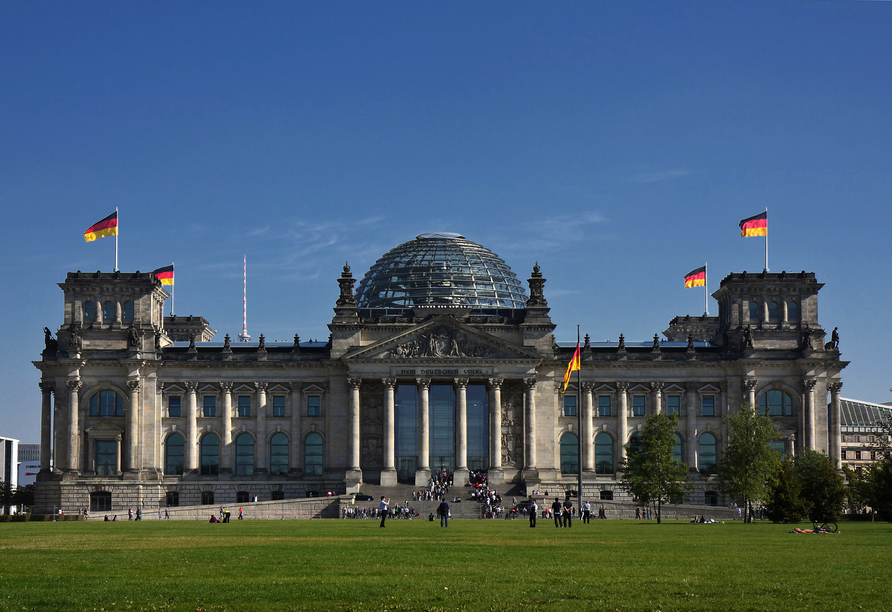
662,175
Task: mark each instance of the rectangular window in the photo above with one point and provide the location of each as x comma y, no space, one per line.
210,406
637,405
174,406
857,455
673,402
569,405
312,405
244,405
278,405
707,405
604,405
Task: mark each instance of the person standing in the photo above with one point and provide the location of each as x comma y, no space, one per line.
167,514
556,512
443,511
139,514
534,510
382,507
586,513
129,514
568,513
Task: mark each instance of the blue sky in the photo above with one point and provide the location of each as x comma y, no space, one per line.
618,144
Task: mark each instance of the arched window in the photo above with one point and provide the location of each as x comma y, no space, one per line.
676,450
108,311
278,454
772,311
106,403
210,455
569,454
89,311
603,453
776,403
244,455
174,451
792,311
207,498
754,312
313,455
127,311
708,458
635,442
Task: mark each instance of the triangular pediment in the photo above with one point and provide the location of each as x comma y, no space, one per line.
442,338
105,429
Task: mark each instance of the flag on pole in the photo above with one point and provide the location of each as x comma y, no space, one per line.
165,275
575,364
756,225
106,227
696,278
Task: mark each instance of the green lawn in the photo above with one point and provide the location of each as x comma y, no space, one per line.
416,565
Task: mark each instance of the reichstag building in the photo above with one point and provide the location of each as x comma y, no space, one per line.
441,359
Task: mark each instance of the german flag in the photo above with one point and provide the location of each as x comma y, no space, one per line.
755,226
575,364
696,278
106,227
165,274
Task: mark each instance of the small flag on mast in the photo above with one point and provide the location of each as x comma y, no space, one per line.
757,225
696,278
165,275
106,227
574,365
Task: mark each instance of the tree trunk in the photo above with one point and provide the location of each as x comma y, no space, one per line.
659,510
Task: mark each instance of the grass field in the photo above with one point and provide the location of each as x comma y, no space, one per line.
416,565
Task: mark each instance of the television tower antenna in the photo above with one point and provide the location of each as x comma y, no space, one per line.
244,337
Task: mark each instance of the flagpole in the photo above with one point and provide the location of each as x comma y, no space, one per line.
706,288
117,231
172,287
766,239
579,426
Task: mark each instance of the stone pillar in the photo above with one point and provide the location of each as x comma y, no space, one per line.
835,425
622,421
750,384
226,451
388,473
191,450
46,424
530,471
261,453
588,449
657,388
72,463
296,403
423,470
119,454
809,385
692,410
461,473
133,463
495,475
353,476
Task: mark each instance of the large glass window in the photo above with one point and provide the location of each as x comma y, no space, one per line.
127,311
707,405
174,453
707,458
676,449
278,405
773,314
244,405
673,404
406,430
210,406
478,427
776,403
210,455
89,311
635,442
313,455
244,455
569,405
604,405
108,311
174,406
106,457
637,405
313,406
278,454
442,428
754,312
603,453
106,403
780,446
569,454
792,311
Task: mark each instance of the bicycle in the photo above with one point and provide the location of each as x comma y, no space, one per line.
825,527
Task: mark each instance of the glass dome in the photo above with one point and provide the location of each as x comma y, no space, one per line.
437,270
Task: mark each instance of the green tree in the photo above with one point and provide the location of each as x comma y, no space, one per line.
786,503
23,497
650,472
749,466
822,486
878,487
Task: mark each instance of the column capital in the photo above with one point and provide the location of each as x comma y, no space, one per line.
461,383
836,387
389,383
530,382
261,386
74,384
622,386
588,386
226,387
750,384
47,387
495,382
809,384
424,383
656,385
354,383
191,387
133,385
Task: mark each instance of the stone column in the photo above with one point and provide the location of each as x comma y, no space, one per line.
226,458
46,424
388,473
588,449
423,470
622,421
835,425
809,385
133,463
657,388
495,475
261,457
461,474
353,476
296,403
750,384
191,450
119,454
72,463
530,471
692,410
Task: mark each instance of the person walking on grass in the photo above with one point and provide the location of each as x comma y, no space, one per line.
534,510
383,508
443,511
556,512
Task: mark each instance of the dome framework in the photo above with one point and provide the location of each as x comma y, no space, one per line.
440,270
